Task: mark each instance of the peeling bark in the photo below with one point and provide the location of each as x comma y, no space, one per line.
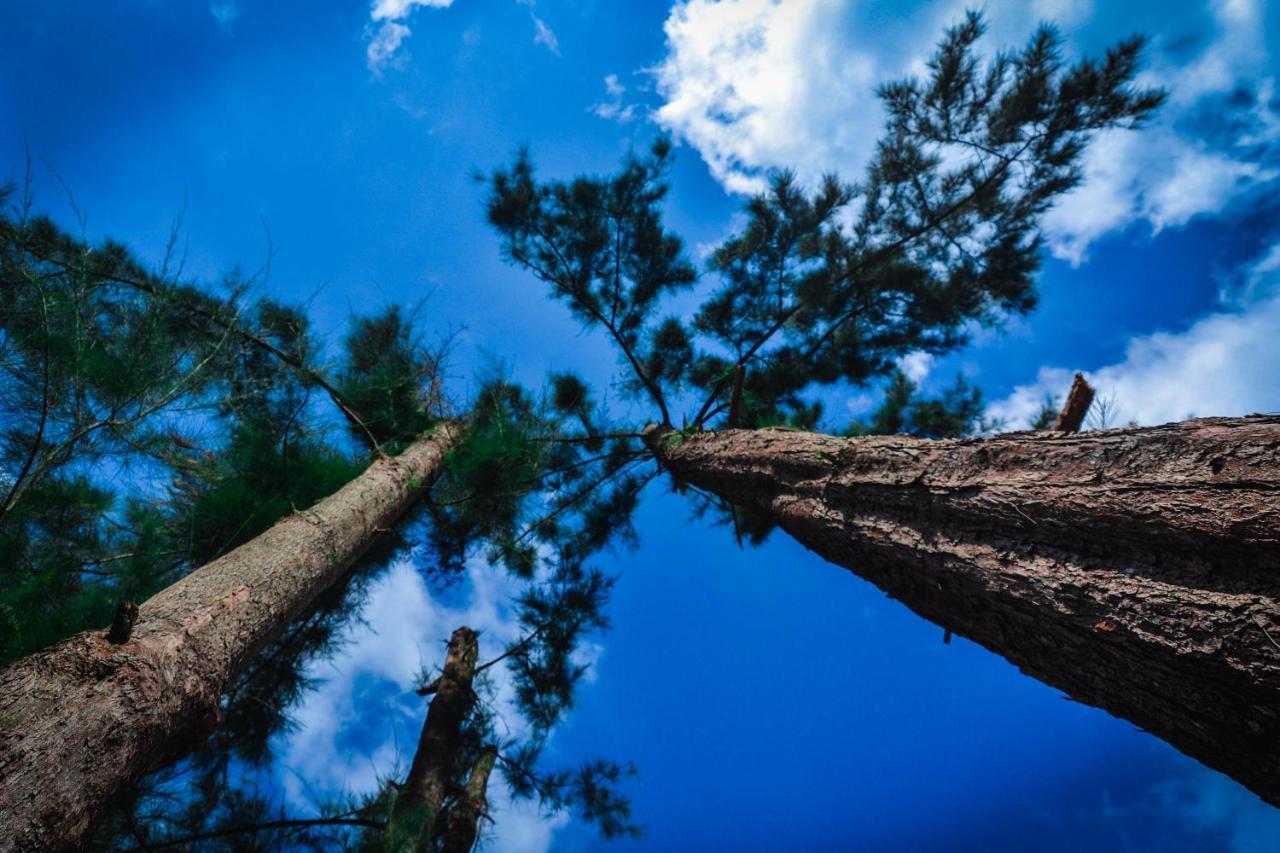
416,813
83,719
1137,570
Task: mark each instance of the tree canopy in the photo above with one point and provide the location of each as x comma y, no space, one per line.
832,284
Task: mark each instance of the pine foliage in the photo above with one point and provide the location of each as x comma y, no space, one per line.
833,284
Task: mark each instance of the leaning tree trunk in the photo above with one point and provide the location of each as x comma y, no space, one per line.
1135,569
462,823
83,719
415,816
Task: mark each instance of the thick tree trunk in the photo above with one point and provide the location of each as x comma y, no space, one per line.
83,719
417,809
462,824
1137,570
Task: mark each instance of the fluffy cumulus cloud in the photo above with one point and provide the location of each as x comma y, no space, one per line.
755,85
1222,364
361,722
1217,138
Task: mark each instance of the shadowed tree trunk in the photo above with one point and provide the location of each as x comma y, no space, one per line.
1137,570
83,719
462,824
417,808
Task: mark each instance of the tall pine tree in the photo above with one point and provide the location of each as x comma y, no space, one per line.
117,367
1134,569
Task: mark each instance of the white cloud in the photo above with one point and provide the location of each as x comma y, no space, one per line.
916,365
543,35
1154,176
755,85
384,45
614,107
402,630
389,30
398,10
1170,172
1223,364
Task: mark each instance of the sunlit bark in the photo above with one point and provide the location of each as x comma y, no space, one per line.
82,720
1137,570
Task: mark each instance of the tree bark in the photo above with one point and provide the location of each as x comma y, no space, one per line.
462,824
414,817
82,720
1079,399
1137,570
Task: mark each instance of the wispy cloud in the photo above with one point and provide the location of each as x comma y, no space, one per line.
542,34
225,12
614,107
1200,810
383,49
389,29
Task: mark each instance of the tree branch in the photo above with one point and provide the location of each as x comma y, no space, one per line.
265,826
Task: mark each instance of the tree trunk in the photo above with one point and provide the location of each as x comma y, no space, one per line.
1137,570
417,808
82,720
462,824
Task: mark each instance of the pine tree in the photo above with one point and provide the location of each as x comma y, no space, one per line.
114,367
957,412
440,802
1134,569
93,376
121,380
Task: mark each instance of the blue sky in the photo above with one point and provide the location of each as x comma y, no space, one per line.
770,700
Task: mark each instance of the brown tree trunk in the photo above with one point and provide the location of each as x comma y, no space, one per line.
1079,399
417,808
1137,570
462,824
83,719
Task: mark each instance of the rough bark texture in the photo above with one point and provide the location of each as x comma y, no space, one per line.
462,825
417,807
1079,399
83,719
1137,570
